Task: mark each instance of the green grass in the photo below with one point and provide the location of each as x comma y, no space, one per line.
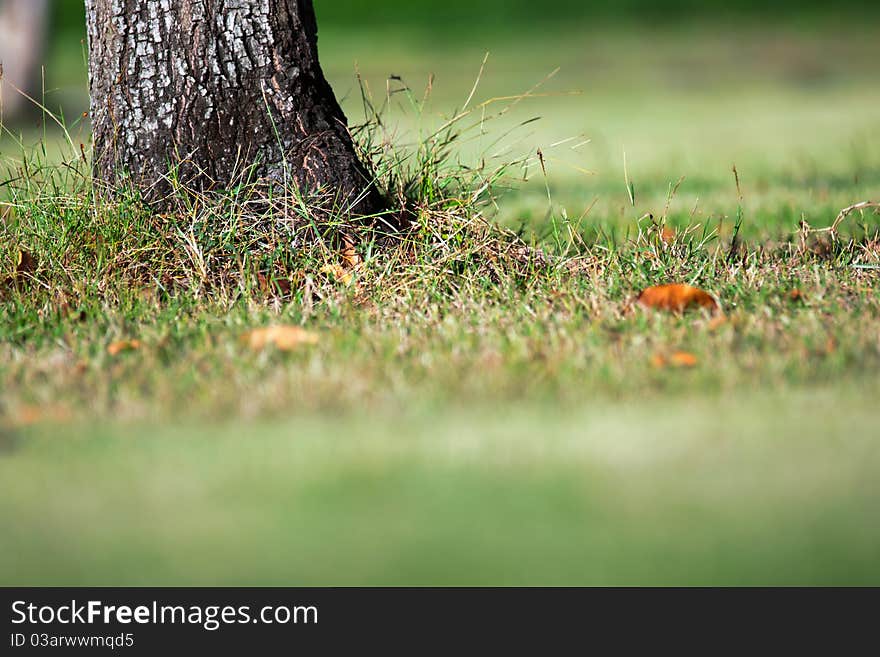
794,110
468,417
762,489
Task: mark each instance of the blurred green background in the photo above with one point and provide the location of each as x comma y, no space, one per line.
786,90
427,13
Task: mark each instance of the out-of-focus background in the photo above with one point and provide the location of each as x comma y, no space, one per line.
683,88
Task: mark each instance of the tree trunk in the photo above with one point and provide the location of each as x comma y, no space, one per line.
210,87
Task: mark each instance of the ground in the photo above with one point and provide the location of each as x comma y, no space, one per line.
458,426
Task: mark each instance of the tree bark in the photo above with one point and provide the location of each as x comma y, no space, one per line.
210,87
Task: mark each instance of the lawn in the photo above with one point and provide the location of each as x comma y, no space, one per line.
461,421
746,489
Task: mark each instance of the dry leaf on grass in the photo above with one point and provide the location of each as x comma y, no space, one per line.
350,256
679,359
668,235
26,263
278,285
338,272
31,414
116,348
285,338
676,298
683,359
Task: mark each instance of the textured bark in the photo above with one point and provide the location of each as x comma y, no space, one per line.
212,86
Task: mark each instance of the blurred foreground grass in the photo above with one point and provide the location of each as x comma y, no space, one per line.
770,488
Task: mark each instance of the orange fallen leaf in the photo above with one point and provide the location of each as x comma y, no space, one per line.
676,298
285,338
116,348
679,359
683,359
